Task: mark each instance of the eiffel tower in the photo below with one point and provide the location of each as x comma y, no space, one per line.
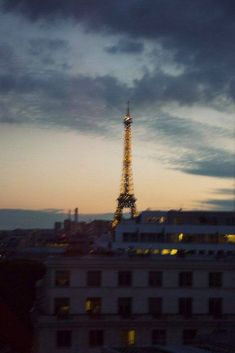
126,198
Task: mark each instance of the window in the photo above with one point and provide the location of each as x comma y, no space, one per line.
63,338
93,305
188,336
61,306
215,279
215,306
130,237
155,278
124,278
155,306
94,278
128,337
96,338
125,306
62,278
185,306
159,337
185,279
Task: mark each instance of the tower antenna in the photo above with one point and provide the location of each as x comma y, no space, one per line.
126,198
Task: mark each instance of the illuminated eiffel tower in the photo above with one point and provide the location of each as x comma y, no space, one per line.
126,199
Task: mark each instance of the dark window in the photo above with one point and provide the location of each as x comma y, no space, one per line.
215,306
185,279
125,306
61,306
124,278
215,279
93,305
62,278
63,338
155,278
185,306
155,306
159,337
96,338
188,336
94,278
130,237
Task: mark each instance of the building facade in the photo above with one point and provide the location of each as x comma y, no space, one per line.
193,232
90,302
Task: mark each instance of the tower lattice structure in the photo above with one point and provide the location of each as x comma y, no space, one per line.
126,198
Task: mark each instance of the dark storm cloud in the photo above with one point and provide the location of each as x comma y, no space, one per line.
37,46
126,46
199,34
60,99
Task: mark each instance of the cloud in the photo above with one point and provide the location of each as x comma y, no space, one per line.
220,204
192,57
208,162
198,34
191,145
126,46
63,99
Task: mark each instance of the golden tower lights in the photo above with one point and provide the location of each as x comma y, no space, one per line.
126,198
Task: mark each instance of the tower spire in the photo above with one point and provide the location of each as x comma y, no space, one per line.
126,198
128,108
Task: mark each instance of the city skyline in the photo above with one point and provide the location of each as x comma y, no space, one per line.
66,72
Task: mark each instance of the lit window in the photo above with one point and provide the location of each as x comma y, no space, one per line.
173,251
61,306
93,305
128,337
230,238
62,278
165,252
180,236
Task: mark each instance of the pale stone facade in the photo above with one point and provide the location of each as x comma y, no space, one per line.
95,301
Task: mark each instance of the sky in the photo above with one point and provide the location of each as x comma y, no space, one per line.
67,69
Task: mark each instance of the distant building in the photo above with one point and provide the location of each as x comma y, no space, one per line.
182,232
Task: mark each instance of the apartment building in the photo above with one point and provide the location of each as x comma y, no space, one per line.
91,302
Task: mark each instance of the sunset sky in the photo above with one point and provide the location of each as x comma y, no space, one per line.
67,69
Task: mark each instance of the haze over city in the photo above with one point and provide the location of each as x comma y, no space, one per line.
67,70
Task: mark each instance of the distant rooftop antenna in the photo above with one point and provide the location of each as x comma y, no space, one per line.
76,215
